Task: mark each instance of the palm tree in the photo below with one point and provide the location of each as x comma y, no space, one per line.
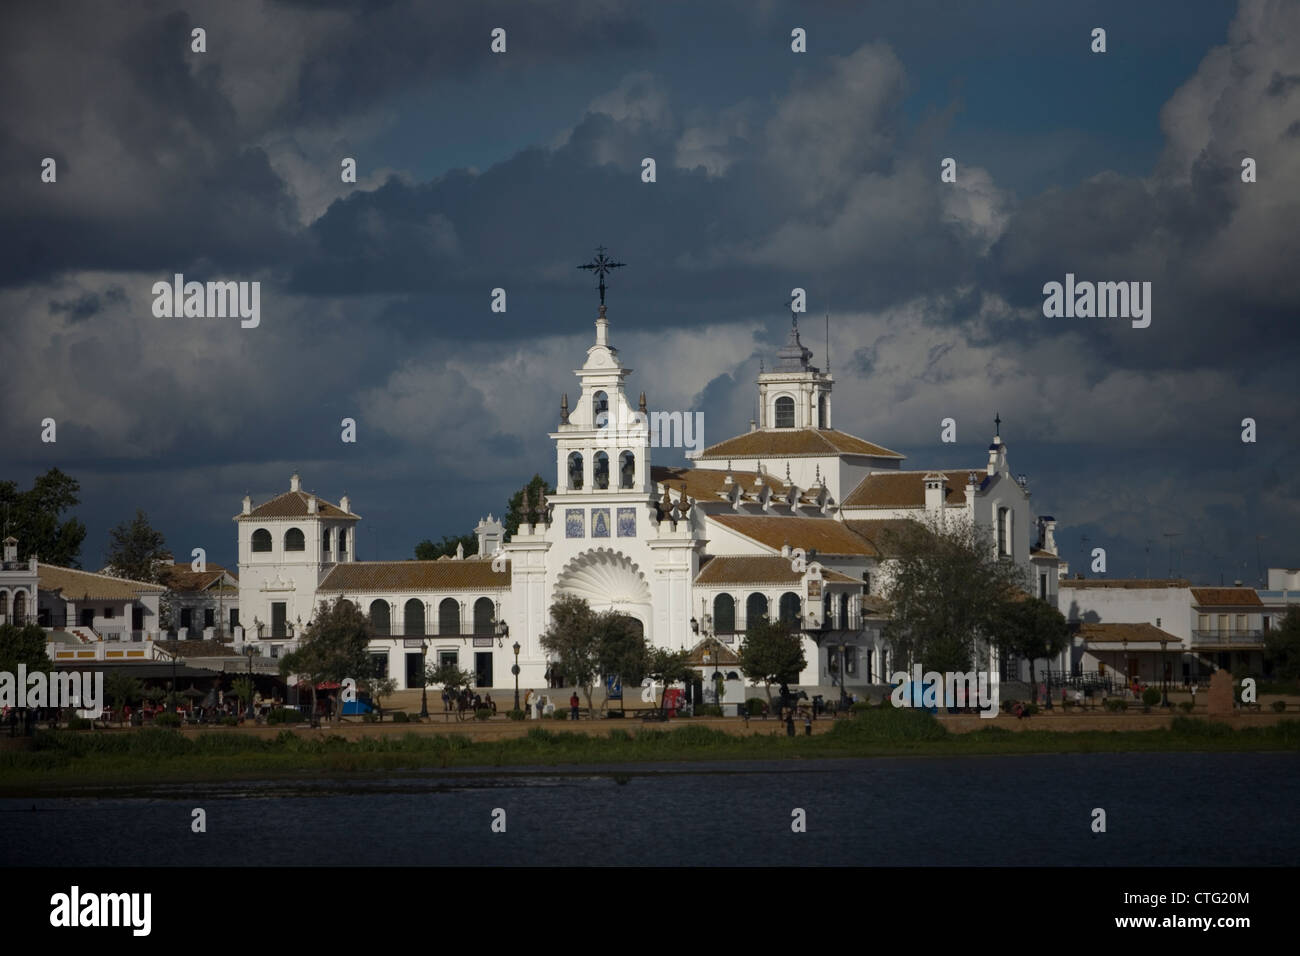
121,689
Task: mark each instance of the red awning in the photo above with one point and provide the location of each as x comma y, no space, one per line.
328,685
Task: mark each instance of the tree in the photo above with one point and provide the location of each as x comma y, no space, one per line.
23,646
334,647
520,510
242,689
1282,646
378,688
426,550
621,648
771,654
669,667
121,689
450,676
34,518
574,640
1031,628
946,587
136,551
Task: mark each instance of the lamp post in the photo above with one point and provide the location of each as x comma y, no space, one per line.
251,714
1164,676
844,696
424,677
515,670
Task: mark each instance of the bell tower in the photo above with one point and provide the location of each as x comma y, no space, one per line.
795,394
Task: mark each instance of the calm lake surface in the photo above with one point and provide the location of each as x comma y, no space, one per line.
1161,810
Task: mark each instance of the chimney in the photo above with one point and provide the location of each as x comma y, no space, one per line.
295,482
490,533
934,491
248,505
311,505
345,504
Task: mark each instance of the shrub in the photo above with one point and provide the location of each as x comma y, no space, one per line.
401,717
559,714
370,717
860,706
1150,697
1186,706
1030,710
892,723
1116,705
285,715
167,720
483,713
80,723
515,714
1278,706
708,710
755,706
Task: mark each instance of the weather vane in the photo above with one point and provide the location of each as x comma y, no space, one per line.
601,266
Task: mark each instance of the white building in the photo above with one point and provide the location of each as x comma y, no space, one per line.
787,520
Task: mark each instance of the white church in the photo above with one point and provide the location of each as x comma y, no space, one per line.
787,520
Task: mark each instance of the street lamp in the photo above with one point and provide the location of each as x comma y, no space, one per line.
424,677
515,670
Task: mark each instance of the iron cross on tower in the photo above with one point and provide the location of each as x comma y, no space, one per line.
601,266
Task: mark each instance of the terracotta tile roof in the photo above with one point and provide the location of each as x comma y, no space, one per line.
759,569
880,536
1096,633
795,443
824,534
179,577
74,585
1129,583
293,504
706,484
1226,597
469,574
906,489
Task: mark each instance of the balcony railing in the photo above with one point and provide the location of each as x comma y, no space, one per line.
1228,637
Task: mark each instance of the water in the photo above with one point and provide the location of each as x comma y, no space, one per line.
1161,810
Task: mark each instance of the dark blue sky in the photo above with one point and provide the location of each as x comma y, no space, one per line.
775,170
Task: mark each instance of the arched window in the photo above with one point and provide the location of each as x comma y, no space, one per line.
449,616
600,409
379,618
261,540
294,540
844,611
413,617
785,412
828,610
755,608
484,616
575,470
20,608
343,543
724,614
325,541
1004,542
4,606
822,413
626,469
789,608
600,471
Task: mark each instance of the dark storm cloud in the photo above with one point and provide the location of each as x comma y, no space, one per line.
88,304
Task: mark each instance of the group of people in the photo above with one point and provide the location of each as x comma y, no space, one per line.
467,701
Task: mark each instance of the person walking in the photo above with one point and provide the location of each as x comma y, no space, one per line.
807,724
528,705
789,722
573,705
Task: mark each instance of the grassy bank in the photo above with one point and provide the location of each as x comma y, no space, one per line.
69,759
